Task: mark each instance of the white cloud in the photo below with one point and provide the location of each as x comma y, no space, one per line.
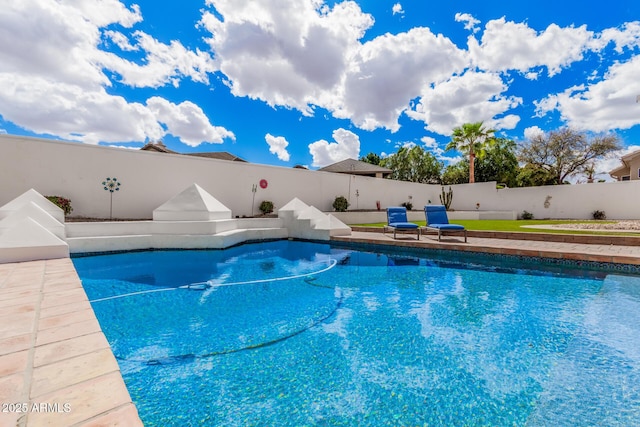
532,75
72,112
291,53
531,132
451,160
51,40
605,105
278,146
346,146
53,74
305,54
628,36
470,23
125,147
298,55
105,12
121,41
507,45
162,63
301,54
187,121
405,144
391,70
472,97
432,145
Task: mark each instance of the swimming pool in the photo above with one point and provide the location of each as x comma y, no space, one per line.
297,333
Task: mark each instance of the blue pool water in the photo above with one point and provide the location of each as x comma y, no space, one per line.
294,333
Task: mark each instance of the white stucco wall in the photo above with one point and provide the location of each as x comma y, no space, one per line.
619,200
148,179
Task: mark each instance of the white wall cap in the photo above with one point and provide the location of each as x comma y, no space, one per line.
35,197
28,233
337,227
295,205
35,212
313,214
191,201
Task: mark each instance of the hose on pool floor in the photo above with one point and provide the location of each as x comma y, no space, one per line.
192,357
201,286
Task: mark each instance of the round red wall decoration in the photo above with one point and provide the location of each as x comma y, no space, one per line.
263,183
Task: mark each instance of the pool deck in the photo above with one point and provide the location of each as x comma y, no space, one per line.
601,249
56,363
56,366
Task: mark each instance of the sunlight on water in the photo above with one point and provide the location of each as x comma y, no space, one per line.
377,339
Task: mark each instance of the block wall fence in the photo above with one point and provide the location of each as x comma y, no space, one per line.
149,179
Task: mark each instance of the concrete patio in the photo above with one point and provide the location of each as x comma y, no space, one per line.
56,366
608,249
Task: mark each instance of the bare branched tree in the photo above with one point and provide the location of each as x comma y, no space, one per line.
565,152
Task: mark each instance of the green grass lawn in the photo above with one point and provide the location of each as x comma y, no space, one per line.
517,225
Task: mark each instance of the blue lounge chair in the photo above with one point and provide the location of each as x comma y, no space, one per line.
397,220
437,220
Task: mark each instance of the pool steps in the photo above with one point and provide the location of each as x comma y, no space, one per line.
161,235
31,228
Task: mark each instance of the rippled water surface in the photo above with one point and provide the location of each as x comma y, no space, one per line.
293,333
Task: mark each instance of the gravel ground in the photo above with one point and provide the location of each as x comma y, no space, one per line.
619,225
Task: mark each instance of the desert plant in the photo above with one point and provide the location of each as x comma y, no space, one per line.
340,204
446,198
266,207
407,205
526,215
61,202
598,215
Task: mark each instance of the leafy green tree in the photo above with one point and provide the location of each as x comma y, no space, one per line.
564,152
534,176
457,173
371,158
413,164
498,163
471,139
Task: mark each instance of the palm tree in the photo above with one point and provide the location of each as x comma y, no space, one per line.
471,139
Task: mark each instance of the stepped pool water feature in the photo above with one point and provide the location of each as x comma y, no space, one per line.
297,333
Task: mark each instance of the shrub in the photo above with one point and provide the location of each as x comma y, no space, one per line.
61,202
266,207
598,215
526,215
407,205
340,204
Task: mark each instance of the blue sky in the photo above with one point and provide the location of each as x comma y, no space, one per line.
307,82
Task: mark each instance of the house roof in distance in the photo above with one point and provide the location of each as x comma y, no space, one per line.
159,147
625,160
630,156
221,155
356,167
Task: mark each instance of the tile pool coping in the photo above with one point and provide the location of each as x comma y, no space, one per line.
57,368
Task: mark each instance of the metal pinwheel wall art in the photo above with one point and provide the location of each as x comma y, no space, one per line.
111,185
